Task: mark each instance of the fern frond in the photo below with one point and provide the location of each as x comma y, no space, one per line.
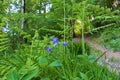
99,28
4,41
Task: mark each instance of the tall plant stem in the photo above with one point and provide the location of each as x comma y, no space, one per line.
64,20
64,24
83,37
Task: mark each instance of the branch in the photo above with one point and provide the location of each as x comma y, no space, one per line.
100,56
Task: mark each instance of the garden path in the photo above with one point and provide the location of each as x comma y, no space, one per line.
111,58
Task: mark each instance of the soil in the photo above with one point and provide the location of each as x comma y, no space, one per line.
110,58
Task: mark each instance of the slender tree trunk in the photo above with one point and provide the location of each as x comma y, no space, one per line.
23,11
21,40
44,10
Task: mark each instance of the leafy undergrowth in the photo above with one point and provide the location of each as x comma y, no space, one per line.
111,38
33,62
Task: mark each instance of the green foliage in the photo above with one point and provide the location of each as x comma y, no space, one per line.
84,77
4,41
56,63
110,38
102,17
77,47
32,62
25,55
4,5
113,4
115,44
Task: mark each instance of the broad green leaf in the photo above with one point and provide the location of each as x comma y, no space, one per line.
56,63
31,74
42,61
91,58
84,76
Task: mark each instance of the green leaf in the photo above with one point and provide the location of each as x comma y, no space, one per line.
76,78
13,75
91,58
31,74
45,79
4,42
5,69
55,63
42,61
29,61
84,76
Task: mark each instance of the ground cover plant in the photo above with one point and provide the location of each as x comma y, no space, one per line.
37,39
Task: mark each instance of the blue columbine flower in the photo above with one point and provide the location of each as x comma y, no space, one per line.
49,49
55,41
65,43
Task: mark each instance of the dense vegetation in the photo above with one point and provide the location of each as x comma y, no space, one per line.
36,38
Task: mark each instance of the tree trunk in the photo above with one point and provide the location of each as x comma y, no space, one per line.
23,11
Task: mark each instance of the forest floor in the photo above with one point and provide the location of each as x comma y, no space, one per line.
110,58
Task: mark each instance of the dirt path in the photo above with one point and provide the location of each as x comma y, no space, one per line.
109,53
112,59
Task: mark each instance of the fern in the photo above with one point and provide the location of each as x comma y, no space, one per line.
17,67
4,42
99,28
